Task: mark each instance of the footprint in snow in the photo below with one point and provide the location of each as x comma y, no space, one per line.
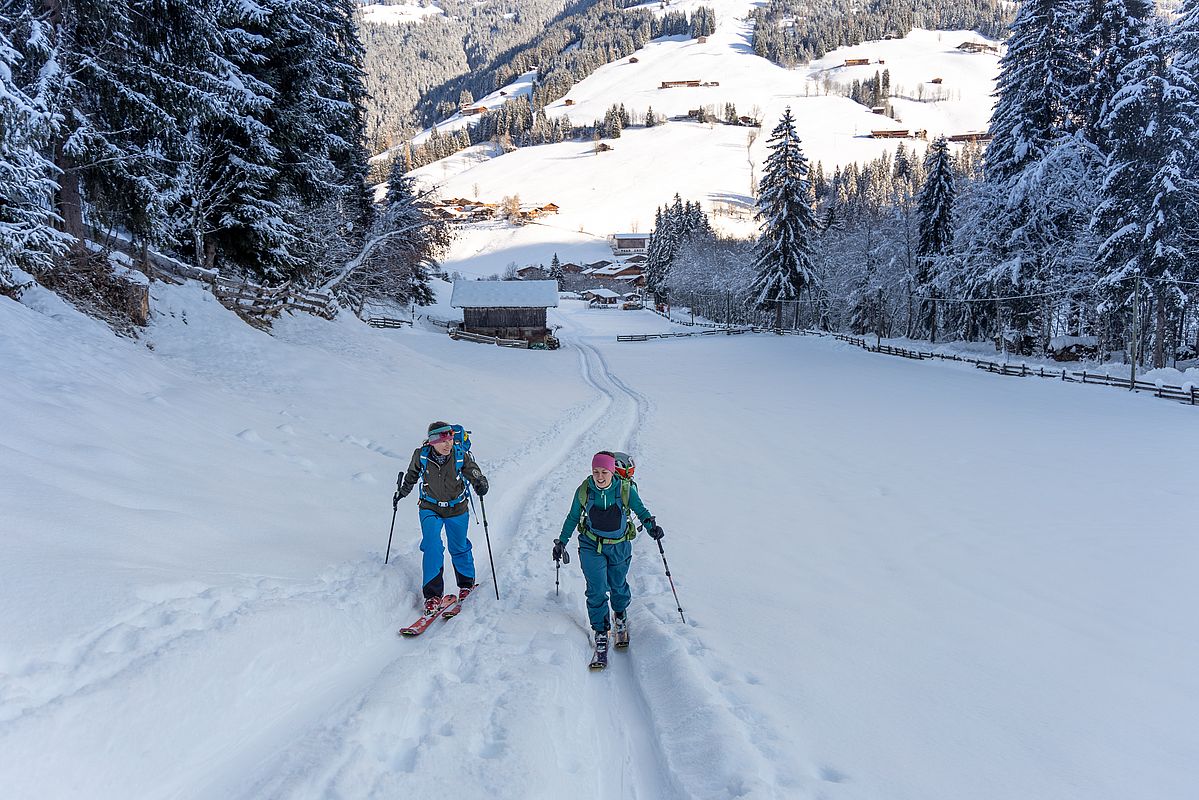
363,477
250,435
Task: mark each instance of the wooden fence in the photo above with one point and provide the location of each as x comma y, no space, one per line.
1166,391
245,297
645,337
387,322
475,337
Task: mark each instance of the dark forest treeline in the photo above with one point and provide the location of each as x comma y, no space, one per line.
229,134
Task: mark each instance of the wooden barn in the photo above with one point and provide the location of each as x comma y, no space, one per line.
856,62
507,309
974,136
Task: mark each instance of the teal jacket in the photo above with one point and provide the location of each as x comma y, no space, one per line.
600,500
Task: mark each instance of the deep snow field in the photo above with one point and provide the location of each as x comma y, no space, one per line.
901,580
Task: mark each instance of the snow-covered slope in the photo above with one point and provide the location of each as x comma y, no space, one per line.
901,580
399,13
602,193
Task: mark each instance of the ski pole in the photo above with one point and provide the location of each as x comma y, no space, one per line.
395,506
487,535
676,594
557,568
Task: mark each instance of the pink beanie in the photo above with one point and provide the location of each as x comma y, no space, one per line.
604,461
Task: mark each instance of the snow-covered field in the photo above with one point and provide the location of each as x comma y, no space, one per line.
901,579
399,13
604,193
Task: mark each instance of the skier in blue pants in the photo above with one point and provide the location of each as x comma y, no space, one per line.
446,472
601,512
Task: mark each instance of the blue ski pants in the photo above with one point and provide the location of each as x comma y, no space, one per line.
607,573
431,525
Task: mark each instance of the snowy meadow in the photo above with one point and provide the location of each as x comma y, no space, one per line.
900,579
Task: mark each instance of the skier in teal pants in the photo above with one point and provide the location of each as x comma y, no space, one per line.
601,512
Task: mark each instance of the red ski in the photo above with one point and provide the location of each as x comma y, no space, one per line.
418,627
456,606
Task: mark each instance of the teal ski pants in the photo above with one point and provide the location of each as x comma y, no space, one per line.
607,573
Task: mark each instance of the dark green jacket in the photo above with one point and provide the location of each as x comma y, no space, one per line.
602,498
443,482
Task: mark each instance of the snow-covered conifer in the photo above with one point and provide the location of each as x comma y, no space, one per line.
1147,215
934,206
26,175
784,249
1111,33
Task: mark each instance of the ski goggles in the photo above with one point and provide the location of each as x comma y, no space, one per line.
438,435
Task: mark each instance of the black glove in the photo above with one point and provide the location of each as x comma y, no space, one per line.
482,487
395,499
560,551
654,529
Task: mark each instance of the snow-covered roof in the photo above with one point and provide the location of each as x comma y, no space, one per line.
601,293
505,294
630,235
612,269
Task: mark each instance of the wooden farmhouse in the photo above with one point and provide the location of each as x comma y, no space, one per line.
856,62
978,47
903,134
627,244
506,309
601,297
531,272
471,111
676,84
617,270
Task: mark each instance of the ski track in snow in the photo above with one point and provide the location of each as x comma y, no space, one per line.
641,729
361,713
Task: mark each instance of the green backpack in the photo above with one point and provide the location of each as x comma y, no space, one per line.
624,474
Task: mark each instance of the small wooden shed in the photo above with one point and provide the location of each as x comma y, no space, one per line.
507,309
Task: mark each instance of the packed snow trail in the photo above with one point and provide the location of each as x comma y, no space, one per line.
551,723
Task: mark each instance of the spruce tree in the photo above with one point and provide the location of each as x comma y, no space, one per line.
1147,215
657,256
1111,31
784,250
26,175
934,209
1027,223
1040,77
556,272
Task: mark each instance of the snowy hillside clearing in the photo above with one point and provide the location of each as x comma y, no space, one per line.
716,164
400,13
917,581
